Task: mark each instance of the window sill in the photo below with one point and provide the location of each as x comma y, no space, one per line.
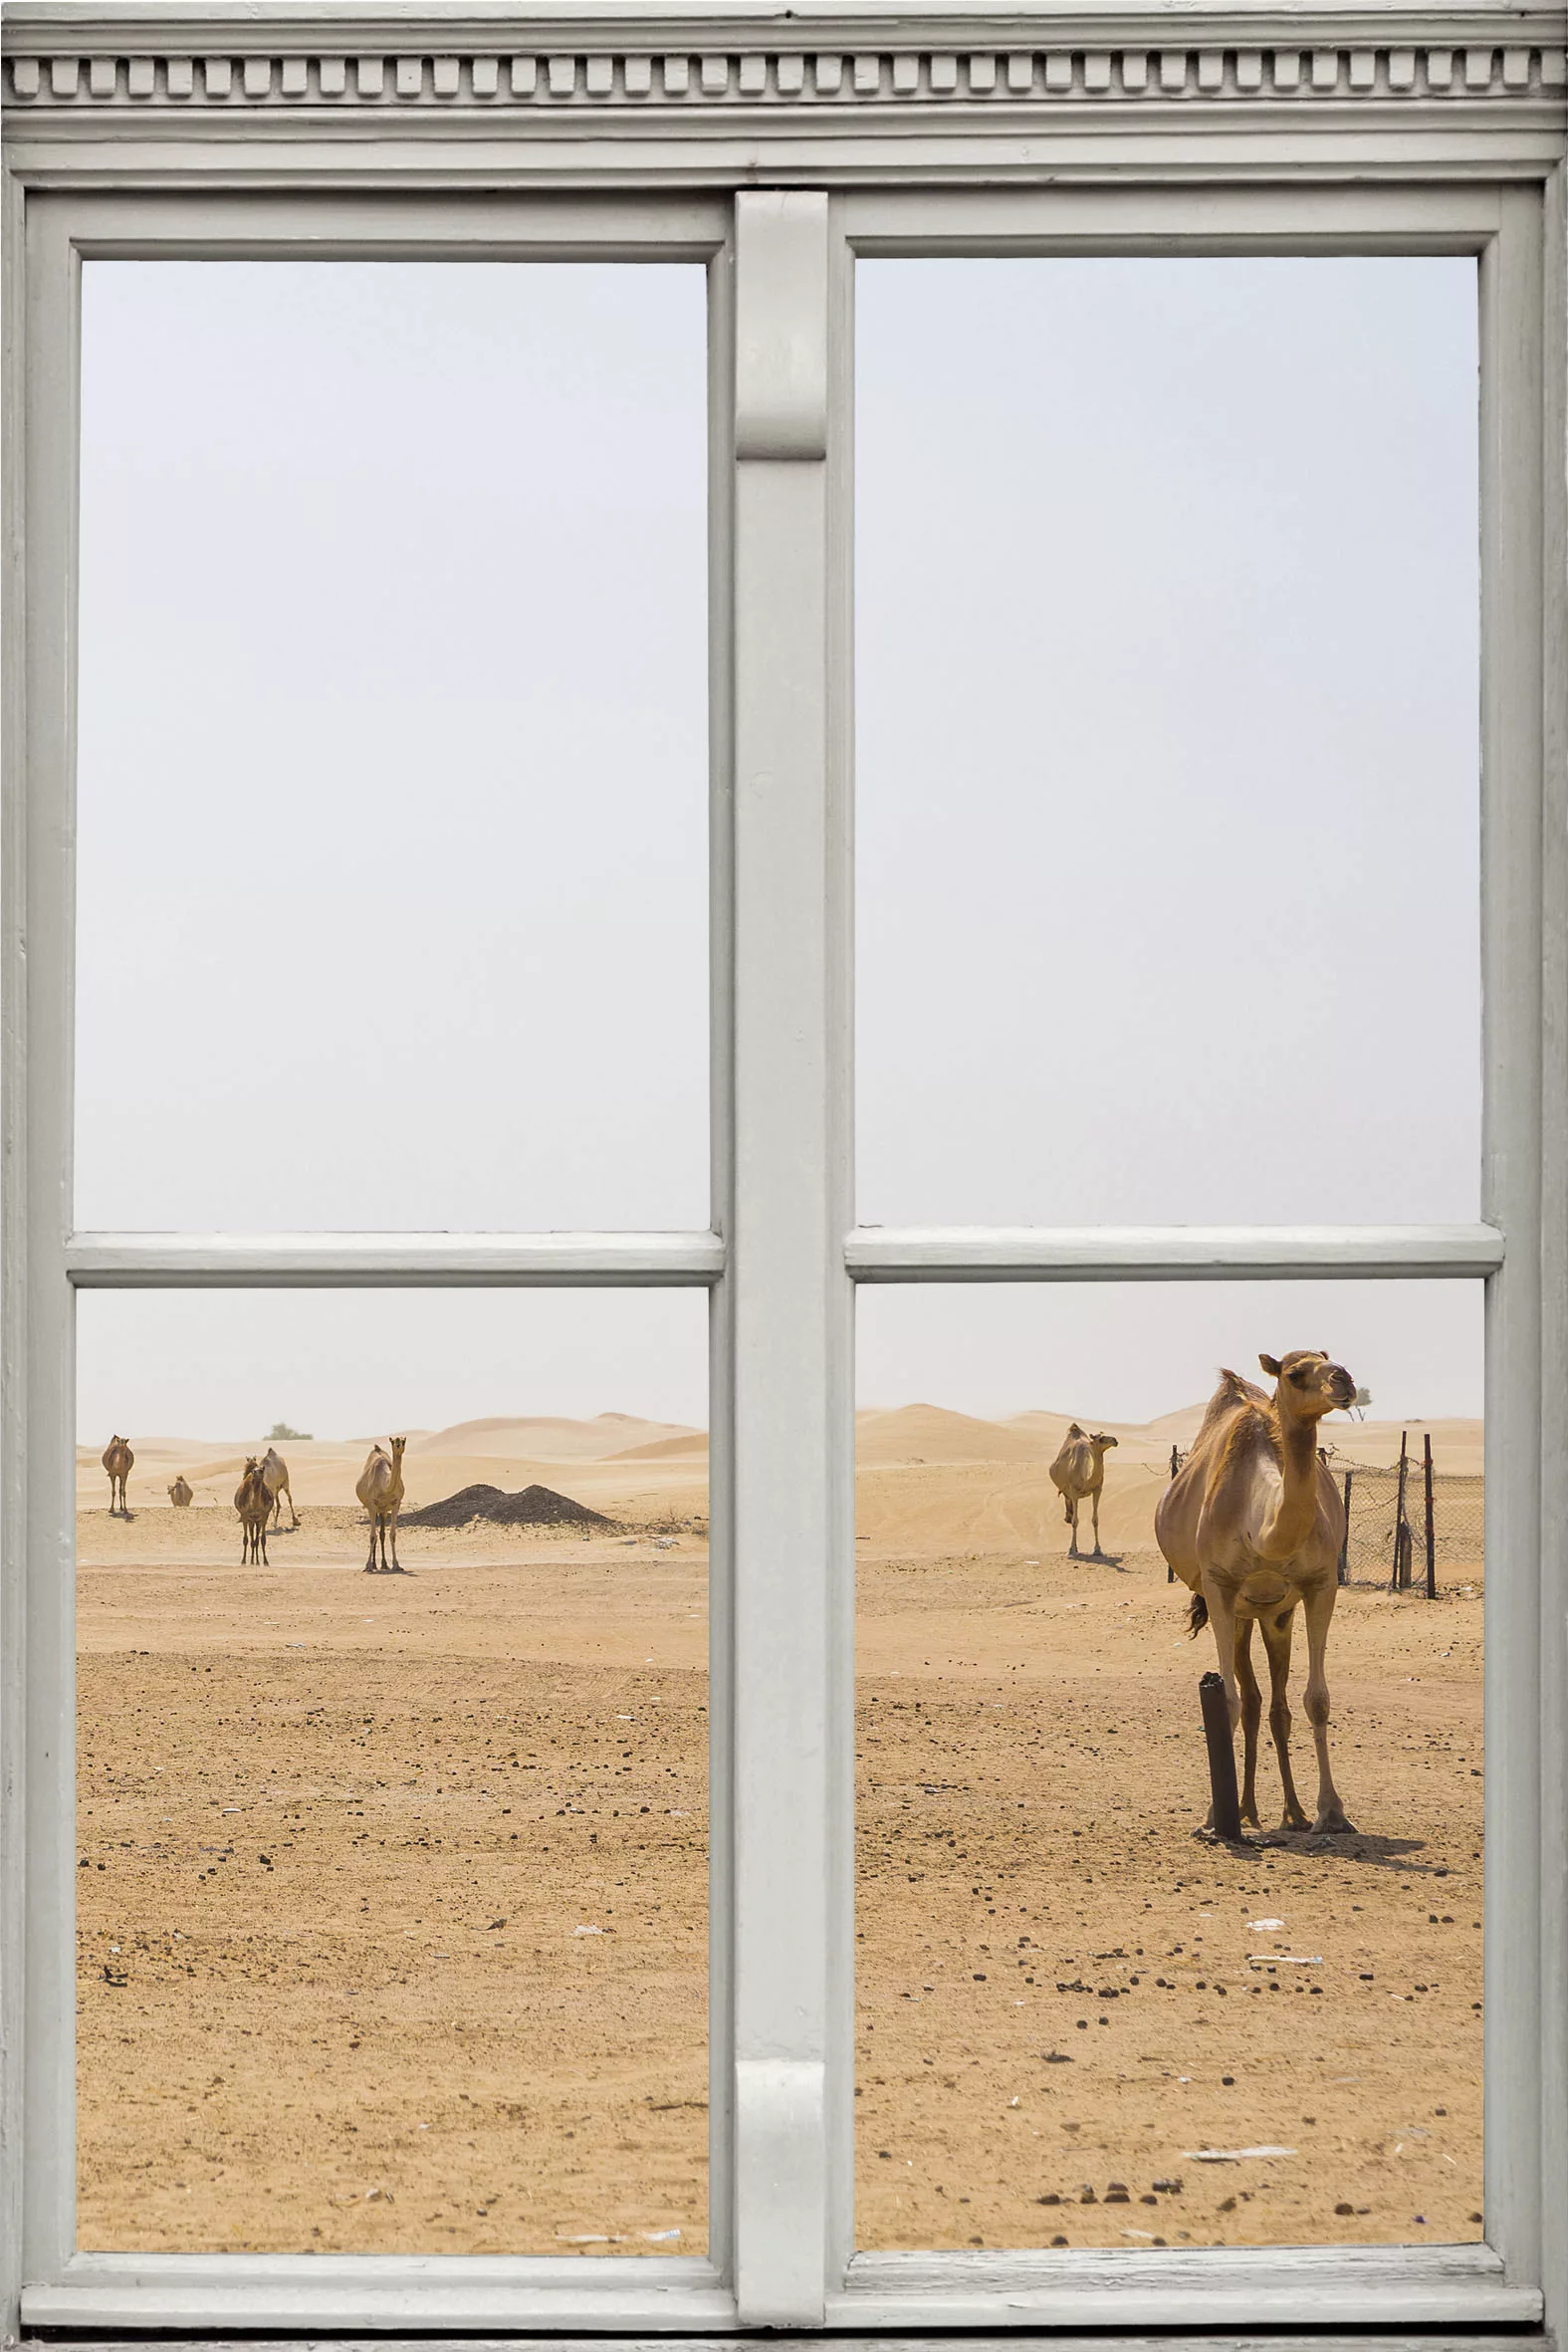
1237,2286
649,2293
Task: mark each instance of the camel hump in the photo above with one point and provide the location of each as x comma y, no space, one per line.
1074,1430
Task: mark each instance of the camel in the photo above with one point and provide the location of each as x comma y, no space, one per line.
118,1461
380,1490
1079,1471
1252,1524
253,1502
181,1495
275,1471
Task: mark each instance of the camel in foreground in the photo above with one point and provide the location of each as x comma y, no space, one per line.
253,1502
275,1471
181,1495
1078,1474
380,1490
1252,1524
118,1461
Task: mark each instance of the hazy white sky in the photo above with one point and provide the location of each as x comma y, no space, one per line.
393,770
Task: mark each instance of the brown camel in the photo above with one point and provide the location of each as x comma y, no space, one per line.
1251,1524
253,1502
380,1490
1078,1474
181,1495
275,1471
118,1461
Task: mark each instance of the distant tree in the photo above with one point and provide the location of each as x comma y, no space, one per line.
282,1429
1360,1402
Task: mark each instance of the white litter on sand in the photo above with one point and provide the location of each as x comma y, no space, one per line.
587,1931
1233,2155
1286,1959
1266,1923
660,2236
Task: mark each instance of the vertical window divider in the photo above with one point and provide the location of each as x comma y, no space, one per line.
720,1319
1511,712
789,1306
40,947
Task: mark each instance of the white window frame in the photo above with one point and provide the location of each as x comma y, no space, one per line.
777,146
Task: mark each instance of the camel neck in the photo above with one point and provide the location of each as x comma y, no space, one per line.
1291,1520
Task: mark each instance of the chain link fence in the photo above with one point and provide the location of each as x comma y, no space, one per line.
1386,1539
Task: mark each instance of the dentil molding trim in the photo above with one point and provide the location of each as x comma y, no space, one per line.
821,64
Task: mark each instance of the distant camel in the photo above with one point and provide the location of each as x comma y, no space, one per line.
253,1502
118,1461
380,1490
275,1471
1078,1474
180,1495
1252,1524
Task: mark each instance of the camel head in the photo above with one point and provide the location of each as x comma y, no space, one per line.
398,1444
1099,1441
1309,1386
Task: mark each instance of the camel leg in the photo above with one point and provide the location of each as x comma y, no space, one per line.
260,1537
396,1568
294,1516
1095,1502
1072,1522
1319,1609
1276,1641
369,1565
1251,1717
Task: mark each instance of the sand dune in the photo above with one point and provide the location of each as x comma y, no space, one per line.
691,1448
931,1433
549,1439
927,1477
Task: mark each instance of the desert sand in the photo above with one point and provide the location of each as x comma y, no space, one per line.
321,2006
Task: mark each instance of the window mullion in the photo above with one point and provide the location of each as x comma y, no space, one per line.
789,1304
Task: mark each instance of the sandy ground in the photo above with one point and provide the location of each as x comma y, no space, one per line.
1056,1978
323,2008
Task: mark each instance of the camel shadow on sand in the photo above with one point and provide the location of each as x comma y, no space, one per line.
1353,1845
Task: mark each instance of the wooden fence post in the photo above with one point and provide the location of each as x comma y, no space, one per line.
1221,1744
1344,1540
1431,1532
1399,1513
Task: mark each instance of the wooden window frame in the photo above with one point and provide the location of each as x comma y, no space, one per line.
774,148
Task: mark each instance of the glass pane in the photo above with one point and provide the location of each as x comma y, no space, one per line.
392,746
393,1897
1081,2020
1166,691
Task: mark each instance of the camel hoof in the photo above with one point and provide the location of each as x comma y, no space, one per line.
1333,1824
1248,1818
1296,1821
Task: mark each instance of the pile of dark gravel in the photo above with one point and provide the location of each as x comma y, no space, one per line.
533,1506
